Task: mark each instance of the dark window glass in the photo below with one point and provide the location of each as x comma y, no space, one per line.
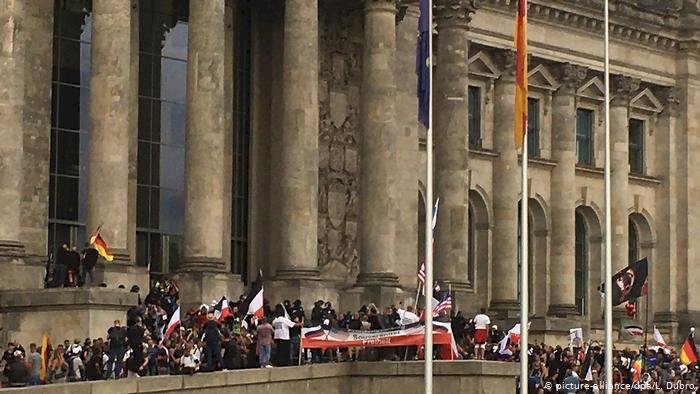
69,122
161,153
584,136
636,146
474,101
241,141
581,264
533,127
633,243
471,252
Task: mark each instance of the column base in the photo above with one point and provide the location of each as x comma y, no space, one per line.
562,310
307,291
669,324
457,286
381,296
505,309
555,330
199,287
11,249
377,279
202,264
120,256
296,274
122,273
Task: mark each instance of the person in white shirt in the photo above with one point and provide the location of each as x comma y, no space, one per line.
481,324
282,324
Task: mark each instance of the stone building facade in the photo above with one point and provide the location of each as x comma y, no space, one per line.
214,139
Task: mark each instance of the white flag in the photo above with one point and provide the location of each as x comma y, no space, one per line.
576,337
659,339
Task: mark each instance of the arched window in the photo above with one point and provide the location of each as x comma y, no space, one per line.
633,242
471,245
581,264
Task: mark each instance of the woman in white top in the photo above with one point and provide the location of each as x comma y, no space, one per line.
282,324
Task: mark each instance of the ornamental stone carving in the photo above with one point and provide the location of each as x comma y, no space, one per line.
455,12
571,76
670,98
339,86
624,88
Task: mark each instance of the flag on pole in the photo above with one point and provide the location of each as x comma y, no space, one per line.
172,324
637,368
422,62
421,271
253,304
689,353
100,245
629,283
520,73
444,305
659,339
222,309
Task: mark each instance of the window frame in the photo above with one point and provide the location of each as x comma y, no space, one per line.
590,162
476,142
639,146
534,150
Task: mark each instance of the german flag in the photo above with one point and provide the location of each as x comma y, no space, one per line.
689,354
520,73
100,245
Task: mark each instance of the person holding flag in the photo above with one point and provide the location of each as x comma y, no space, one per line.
100,245
689,353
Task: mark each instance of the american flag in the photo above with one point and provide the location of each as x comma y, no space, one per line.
444,305
421,271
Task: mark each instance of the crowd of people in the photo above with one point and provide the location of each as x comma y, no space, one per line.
205,342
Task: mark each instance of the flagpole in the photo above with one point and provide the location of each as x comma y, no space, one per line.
608,223
524,293
428,352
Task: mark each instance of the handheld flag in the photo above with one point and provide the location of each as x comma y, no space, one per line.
253,304
520,73
576,337
172,324
100,245
628,283
659,339
421,271
637,368
689,353
222,310
422,62
45,352
587,367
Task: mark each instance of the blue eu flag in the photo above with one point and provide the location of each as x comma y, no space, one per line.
422,56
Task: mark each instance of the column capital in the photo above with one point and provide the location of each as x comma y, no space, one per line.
455,13
624,88
506,61
670,97
571,76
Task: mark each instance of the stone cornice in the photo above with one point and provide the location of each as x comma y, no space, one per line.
629,22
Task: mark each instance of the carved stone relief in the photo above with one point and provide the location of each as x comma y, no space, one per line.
341,52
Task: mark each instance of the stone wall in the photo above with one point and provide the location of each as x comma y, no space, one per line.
366,378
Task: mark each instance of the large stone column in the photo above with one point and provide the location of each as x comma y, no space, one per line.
506,191
670,161
624,88
378,147
563,267
452,142
12,40
298,180
108,146
204,151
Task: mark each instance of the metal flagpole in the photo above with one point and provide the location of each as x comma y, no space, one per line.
608,223
428,352
524,293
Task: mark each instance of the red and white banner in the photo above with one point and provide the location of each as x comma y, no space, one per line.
318,338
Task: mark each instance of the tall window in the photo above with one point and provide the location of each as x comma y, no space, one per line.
533,127
633,243
529,252
474,117
471,252
584,136
636,146
161,135
70,99
581,264
241,141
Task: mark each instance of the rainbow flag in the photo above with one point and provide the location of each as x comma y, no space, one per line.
637,368
100,245
520,73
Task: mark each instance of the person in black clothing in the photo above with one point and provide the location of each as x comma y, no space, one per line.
89,257
94,366
73,266
117,338
59,270
212,337
135,336
16,370
232,354
297,316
